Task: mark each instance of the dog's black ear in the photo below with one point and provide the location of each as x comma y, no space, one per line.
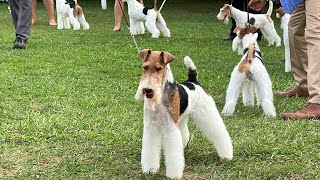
167,57
72,3
144,54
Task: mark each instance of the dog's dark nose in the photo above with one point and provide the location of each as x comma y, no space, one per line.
147,90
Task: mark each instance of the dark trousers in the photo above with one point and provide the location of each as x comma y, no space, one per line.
21,11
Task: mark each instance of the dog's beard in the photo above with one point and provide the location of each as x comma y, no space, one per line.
223,18
226,20
157,95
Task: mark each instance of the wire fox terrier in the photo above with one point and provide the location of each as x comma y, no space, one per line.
250,76
167,106
70,12
260,21
285,17
153,20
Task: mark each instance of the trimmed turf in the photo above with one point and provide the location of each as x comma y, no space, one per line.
67,108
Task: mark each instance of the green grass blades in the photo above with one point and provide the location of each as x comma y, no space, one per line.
67,108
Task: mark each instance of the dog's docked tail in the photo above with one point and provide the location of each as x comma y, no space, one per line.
269,12
192,70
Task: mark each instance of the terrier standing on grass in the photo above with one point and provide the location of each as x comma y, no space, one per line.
167,106
248,76
68,13
153,19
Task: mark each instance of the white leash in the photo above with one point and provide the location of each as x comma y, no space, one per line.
164,1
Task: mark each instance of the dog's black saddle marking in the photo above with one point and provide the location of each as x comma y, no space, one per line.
255,51
145,10
71,3
189,85
183,99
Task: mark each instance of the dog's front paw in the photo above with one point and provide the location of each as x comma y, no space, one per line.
149,169
174,174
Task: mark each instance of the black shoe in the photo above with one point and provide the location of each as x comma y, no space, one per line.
19,44
229,38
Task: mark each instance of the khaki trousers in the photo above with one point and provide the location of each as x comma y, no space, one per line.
304,41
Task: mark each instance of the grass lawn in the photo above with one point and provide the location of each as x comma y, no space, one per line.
67,108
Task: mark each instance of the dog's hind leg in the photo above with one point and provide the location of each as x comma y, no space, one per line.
233,91
73,20
151,148
173,151
208,120
151,24
83,22
264,88
162,26
247,93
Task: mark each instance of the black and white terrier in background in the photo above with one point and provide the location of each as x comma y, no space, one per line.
167,106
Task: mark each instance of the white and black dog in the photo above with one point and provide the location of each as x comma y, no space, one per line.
251,77
154,21
70,12
260,21
167,106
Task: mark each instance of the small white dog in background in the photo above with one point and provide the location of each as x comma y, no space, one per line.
285,17
70,12
154,21
251,77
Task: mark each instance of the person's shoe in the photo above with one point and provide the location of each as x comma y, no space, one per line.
228,38
308,112
19,44
296,90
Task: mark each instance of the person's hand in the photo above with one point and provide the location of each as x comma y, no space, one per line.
257,5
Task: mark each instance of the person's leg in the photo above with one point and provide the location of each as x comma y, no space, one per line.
117,15
14,11
22,16
231,35
49,5
298,53
298,46
34,11
312,41
312,32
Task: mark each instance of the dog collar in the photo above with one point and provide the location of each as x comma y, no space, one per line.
256,54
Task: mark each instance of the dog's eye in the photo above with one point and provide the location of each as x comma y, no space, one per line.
145,68
158,69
